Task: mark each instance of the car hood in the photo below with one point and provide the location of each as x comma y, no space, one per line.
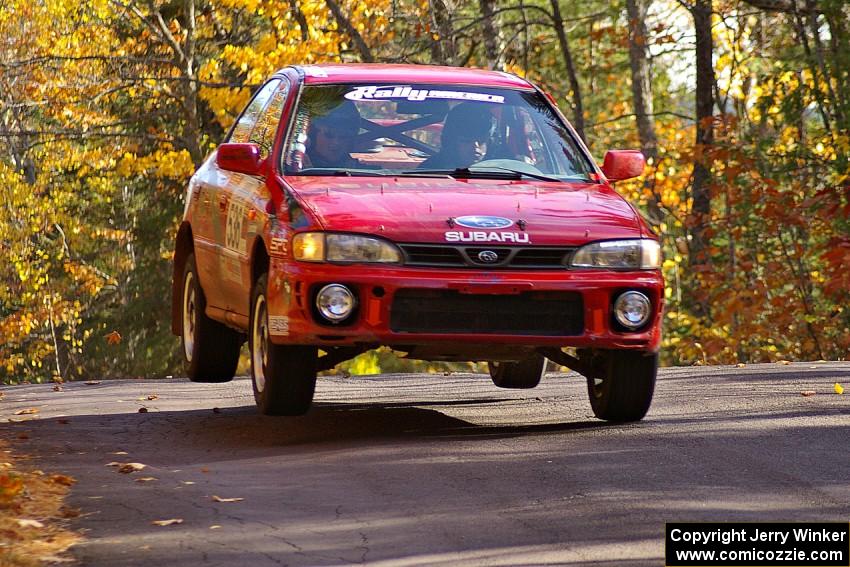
431,210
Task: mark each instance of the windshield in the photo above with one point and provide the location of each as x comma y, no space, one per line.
427,130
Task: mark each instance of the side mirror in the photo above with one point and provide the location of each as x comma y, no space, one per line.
241,158
623,164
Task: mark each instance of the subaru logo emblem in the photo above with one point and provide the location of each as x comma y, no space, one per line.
488,256
476,221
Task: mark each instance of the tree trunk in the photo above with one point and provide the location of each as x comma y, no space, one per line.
192,130
578,110
299,17
492,39
641,84
701,193
443,49
345,25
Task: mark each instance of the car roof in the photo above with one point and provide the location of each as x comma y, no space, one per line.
394,73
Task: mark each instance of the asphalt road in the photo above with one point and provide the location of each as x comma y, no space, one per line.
437,470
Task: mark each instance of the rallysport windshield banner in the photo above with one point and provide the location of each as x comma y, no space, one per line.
375,92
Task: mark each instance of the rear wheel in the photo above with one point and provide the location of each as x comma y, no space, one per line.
518,375
624,385
283,376
210,349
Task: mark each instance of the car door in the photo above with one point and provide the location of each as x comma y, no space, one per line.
245,207
215,188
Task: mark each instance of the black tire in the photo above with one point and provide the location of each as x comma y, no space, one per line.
283,376
518,375
623,392
210,349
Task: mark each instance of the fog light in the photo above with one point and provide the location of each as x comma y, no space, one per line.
632,309
335,302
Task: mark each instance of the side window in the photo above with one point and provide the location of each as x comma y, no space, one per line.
264,131
242,131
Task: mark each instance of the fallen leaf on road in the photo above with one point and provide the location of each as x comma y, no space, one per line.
740,365
28,411
807,393
92,382
785,362
24,523
2,395
839,389
120,453
215,527
205,470
127,468
188,482
57,388
62,479
69,512
11,485
170,522
146,479
113,464
220,499
153,397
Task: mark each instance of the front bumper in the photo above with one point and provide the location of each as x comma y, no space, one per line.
295,320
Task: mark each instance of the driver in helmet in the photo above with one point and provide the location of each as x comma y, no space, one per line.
467,130
331,137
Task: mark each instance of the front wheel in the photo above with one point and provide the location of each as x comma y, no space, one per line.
623,385
210,349
283,376
518,375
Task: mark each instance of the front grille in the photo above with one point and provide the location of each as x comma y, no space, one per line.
425,255
445,256
449,311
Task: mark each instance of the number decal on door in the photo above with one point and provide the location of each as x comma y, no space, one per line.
233,238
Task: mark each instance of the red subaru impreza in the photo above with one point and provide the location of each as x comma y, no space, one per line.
451,214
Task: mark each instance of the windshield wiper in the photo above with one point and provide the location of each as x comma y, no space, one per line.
488,172
520,172
331,172
463,173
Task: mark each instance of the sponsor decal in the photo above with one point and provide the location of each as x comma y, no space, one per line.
375,92
313,71
481,221
234,238
279,325
230,268
484,236
277,246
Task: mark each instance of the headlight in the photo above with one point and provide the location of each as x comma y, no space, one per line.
335,302
321,247
641,254
632,310
309,246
